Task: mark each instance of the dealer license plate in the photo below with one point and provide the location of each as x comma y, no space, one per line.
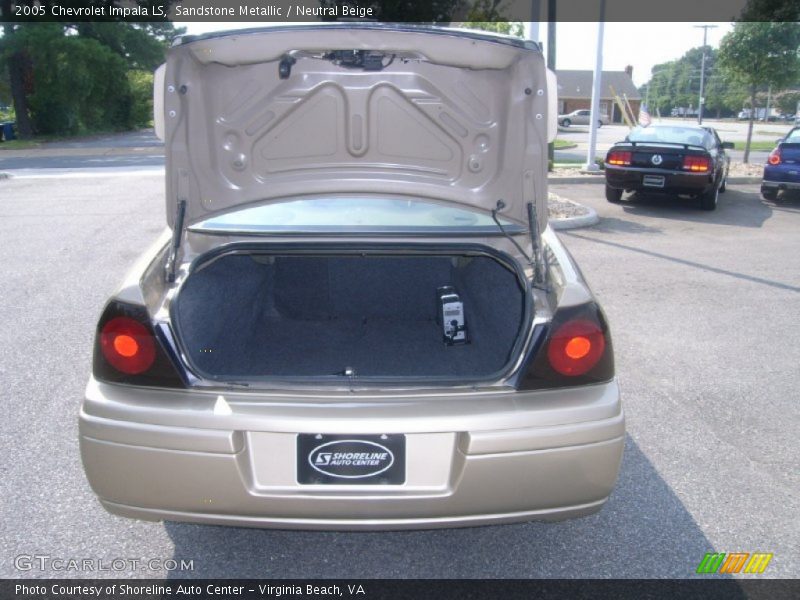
351,459
653,181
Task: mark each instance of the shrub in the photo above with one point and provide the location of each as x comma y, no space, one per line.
141,86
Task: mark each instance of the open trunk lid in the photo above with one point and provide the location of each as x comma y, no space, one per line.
258,116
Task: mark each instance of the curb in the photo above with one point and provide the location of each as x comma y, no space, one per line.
590,218
597,179
575,222
576,179
82,152
735,180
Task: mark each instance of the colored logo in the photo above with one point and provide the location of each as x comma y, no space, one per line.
734,562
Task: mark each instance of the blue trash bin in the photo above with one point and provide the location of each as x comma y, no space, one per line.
8,132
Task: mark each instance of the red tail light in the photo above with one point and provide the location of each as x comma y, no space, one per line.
774,157
576,347
127,345
619,157
697,164
130,349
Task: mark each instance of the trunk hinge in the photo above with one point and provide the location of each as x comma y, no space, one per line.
535,260
539,269
177,234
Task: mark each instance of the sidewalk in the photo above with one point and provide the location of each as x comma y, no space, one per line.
46,151
739,174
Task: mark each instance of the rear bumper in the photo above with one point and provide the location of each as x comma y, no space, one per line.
780,185
784,176
675,182
471,458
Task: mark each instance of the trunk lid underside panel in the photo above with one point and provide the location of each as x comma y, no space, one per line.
456,120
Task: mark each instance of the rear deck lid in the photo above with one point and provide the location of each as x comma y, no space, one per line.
266,115
790,151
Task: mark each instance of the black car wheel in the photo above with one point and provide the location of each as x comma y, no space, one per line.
769,194
566,122
708,200
723,186
613,194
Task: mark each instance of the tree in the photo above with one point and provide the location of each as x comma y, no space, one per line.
758,54
771,10
5,88
19,75
677,84
487,15
514,28
142,45
99,53
405,11
78,84
788,101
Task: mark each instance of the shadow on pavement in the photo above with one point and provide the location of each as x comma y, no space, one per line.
735,207
786,202
644,531
689,263
616,225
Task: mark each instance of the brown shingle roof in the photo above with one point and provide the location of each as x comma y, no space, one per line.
578,84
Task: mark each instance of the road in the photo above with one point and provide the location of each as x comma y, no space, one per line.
130,150
142,149
703,308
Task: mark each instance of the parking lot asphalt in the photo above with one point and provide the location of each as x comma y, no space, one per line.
703,309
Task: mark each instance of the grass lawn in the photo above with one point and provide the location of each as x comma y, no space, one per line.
560,144
19,145
38,140
775,133
760,145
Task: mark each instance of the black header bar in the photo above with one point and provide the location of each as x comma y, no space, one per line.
395,589
408,11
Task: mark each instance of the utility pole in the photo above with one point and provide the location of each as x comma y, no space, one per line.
531,28
551,62
591,164
702,102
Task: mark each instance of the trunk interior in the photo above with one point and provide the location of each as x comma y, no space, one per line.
245,316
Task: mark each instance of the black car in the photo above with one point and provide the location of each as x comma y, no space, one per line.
667,159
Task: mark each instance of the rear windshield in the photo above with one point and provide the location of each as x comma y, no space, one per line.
793,137
672,135
355,215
